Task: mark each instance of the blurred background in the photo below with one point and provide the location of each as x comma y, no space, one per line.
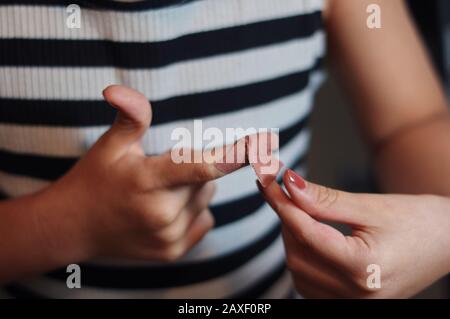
338,158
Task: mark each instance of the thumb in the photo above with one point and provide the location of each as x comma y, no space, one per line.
325,203
322,238
133,116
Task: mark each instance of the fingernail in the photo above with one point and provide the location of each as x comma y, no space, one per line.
296,179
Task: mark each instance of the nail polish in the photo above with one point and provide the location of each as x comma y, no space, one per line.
295,179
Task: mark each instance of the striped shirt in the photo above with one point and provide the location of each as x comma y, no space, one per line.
230,63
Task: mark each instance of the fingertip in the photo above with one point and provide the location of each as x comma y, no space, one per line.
295,185
109,89
119,94
132,103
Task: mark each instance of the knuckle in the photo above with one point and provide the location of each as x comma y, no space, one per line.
326,196
173,253
163,218
170,235
137,181
209,221
206,220
203,173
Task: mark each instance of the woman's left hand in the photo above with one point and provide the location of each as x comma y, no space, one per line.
405,237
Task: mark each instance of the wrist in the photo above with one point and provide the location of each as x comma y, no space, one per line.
63,226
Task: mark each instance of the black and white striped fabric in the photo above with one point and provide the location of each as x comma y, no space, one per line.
231,63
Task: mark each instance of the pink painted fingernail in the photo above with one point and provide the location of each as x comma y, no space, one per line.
295,179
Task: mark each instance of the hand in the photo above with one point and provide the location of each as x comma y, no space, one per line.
407,236
127,204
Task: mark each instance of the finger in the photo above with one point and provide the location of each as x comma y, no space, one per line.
302,260
259,152
166,209
133,117
323,239
171,174
185,166
202,198
181,225
199,228
328,204
180,196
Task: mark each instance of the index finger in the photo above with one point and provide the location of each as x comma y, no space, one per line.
321,238
187,166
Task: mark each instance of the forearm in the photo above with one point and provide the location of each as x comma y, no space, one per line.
38,233
395,92
417,159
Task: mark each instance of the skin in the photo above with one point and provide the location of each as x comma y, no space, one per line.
406,235
403,115
114,202
159,212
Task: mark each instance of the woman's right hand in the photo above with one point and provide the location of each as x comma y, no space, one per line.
126,204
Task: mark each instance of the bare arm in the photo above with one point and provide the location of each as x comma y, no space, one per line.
397,98
39,232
